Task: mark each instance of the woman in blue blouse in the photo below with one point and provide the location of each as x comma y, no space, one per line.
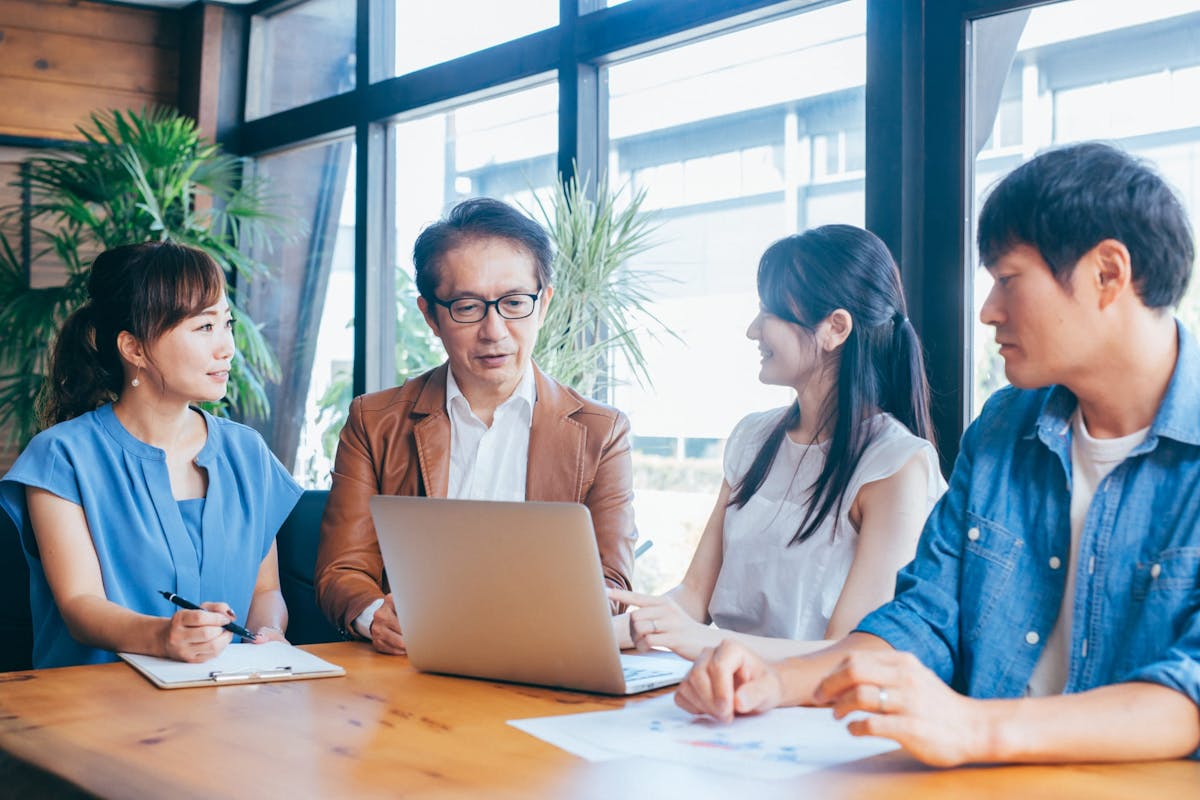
133,490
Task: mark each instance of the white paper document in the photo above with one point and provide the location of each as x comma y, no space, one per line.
237,663
779,744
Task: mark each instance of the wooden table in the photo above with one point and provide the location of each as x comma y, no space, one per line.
386,730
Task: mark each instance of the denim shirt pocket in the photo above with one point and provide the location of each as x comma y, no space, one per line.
1166,593
989,561
1174,572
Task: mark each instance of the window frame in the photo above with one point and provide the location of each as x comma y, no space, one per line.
917,176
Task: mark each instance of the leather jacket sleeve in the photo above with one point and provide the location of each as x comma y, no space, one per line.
349,569
609,498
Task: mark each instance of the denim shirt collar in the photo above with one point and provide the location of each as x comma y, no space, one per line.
1178,416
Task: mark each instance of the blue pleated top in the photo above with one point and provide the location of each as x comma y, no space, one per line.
141,533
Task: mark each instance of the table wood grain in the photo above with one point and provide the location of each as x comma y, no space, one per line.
386,730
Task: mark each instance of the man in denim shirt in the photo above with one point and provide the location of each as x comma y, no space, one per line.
1052,612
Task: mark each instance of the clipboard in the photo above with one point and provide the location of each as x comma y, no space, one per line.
237,664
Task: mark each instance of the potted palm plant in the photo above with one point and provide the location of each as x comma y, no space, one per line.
134,177
599,301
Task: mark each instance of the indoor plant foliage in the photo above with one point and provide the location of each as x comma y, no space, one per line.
598,298
135,177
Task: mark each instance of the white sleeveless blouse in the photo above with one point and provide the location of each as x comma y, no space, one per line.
767,588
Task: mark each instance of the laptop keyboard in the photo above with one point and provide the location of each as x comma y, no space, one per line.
642,674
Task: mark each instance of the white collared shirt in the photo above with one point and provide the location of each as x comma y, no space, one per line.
490,463
486,463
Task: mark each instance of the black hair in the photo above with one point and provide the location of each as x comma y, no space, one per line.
1066,201
479,218
802,279
145,289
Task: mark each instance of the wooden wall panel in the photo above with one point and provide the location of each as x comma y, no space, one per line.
94,20
48,110
66,58
62,59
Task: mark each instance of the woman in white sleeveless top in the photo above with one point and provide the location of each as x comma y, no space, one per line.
823,501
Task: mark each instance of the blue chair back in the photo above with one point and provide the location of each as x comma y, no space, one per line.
297,542
16,621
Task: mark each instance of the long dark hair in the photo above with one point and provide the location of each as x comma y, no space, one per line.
145,289
803,279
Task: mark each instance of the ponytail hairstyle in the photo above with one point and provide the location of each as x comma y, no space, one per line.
804,278
145,289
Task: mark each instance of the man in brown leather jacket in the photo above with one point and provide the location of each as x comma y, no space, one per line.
487,424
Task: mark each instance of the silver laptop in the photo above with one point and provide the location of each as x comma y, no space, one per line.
508,591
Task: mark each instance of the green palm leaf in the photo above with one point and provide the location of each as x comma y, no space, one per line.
136,176
601,305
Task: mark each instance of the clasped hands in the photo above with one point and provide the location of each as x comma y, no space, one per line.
903,699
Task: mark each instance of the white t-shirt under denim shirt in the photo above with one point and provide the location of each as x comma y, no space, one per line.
1091,461
767,588
486,462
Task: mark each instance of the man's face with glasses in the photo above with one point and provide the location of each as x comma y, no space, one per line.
487,311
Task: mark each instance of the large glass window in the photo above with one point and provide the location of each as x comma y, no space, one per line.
429,33
1127,73
300,54
306,305
737,140
503,147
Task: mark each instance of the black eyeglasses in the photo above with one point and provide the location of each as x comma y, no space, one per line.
473,309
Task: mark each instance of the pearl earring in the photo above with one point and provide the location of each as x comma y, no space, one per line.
137,381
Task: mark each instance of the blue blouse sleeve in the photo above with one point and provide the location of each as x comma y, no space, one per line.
44,464
280,495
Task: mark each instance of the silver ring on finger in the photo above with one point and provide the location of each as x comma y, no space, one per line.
883,700
654,626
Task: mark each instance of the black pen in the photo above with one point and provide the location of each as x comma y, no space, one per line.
232,627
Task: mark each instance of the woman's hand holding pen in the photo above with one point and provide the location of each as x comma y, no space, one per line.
658,621
198,635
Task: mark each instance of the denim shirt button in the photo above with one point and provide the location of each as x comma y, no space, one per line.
1055,562
973,534
1032,637
1156,570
